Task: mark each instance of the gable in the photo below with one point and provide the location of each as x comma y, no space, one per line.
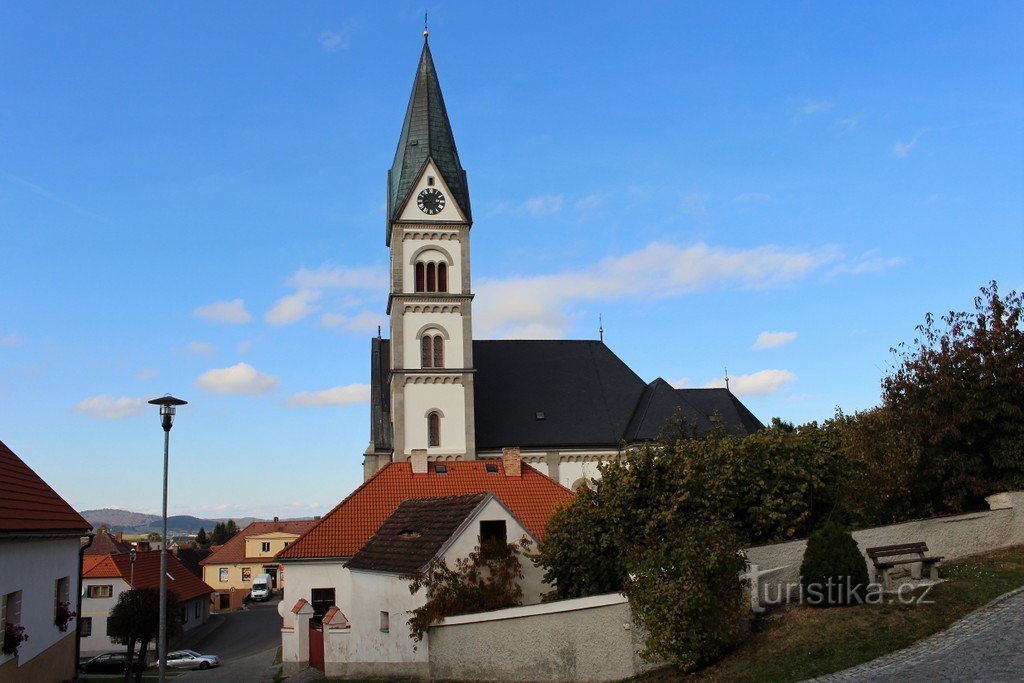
431,178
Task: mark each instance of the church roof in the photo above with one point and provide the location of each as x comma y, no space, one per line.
426,134
568,393
415,533
531,497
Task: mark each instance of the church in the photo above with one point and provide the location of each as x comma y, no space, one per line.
435,390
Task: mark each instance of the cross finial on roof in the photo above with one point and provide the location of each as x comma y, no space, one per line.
600,327
727,379
426,31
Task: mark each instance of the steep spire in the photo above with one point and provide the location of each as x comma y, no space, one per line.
426,134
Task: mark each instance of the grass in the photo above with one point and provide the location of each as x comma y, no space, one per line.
797,642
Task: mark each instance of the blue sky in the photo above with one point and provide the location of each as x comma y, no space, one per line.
192,201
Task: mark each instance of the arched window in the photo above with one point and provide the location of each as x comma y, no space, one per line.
419,277
442,277
438,352
433,429
431,277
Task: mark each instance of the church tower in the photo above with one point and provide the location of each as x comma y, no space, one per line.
431,346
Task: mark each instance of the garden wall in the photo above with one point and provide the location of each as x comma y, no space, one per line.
951,537
591,639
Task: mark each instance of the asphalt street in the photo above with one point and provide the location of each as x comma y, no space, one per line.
246,642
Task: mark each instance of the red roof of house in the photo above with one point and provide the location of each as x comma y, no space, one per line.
105,544
532,498
27,503
184,583
234,550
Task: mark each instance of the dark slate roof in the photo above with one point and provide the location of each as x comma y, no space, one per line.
106,544
415,533
426,133
589,398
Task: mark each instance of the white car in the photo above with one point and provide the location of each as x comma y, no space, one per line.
190,659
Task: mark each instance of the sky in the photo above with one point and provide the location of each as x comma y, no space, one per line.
192,201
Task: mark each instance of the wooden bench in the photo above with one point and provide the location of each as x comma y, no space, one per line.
888,557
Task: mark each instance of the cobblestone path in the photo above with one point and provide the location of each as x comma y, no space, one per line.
986,645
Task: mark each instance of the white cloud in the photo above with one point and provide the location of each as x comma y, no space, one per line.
848,123
521,307
237,379
332,41
12,339
901,150
361,322
146,373
293,308
756,384
232,312
110,408
680,383
770,340
871,261
351,394
543,205
201,348
589,205
327,277
244,346
811,107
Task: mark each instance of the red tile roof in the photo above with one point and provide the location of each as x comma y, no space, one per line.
234,550
27,503
533,498
105,544
184,583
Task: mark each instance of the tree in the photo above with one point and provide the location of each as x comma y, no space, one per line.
202,540
959,392
222,533
135,619
153,536
486,580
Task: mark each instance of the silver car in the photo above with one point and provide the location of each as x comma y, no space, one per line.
190,659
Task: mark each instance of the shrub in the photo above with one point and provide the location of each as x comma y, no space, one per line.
833,571
686,593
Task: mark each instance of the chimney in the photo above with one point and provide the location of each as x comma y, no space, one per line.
277,519
419,460
119,536
512,461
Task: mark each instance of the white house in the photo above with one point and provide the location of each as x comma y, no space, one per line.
40,538
105,577
370,637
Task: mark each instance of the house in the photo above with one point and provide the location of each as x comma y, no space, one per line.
105,543
40,539
318,562
567,404
105,577
250,553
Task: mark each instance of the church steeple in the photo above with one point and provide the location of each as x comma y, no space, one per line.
426,136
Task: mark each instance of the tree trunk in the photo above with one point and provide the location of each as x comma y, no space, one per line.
128,661
143,658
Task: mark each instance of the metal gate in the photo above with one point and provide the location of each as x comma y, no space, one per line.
316,646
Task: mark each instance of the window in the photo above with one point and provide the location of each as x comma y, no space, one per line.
61,601
11,608
322,600
430,181
265,546
223,575
442,277
246,573
420,277
493,531
99,591
184,615
432,351
385,622
433,429
431,276
84,626
197,609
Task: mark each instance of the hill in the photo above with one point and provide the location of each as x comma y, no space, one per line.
142,523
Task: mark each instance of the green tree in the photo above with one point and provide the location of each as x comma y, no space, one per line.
223,532
135,620
959,392
833,571
202,540
488,579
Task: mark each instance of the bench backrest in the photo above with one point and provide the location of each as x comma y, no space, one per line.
898,549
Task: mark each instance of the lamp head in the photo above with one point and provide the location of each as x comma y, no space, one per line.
167,404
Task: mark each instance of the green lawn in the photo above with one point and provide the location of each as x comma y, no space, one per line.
795,643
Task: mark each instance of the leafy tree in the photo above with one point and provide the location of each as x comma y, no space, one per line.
222,533
959,392
686,593
486,580
135,619
202,540
833,571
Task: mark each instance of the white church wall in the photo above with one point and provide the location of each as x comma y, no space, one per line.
574,468
450,323
450,212
449,399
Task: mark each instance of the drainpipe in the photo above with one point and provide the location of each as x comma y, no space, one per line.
78,606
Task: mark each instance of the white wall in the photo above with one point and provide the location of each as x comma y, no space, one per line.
303,577
449,322
33,567
450,400
99,609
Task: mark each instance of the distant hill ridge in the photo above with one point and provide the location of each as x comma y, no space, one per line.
141,523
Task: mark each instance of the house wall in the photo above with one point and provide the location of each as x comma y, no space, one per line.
277,540
33,566
211,575
99,609
303,577
950,537
587,639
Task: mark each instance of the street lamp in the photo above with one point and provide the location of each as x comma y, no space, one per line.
167,404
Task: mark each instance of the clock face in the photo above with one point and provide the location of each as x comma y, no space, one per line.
430,201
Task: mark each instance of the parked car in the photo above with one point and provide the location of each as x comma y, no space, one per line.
109,663
190,659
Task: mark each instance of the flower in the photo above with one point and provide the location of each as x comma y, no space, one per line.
63,614
14,635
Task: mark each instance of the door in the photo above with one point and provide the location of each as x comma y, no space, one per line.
316,646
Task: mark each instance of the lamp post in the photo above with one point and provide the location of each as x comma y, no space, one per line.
167,404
